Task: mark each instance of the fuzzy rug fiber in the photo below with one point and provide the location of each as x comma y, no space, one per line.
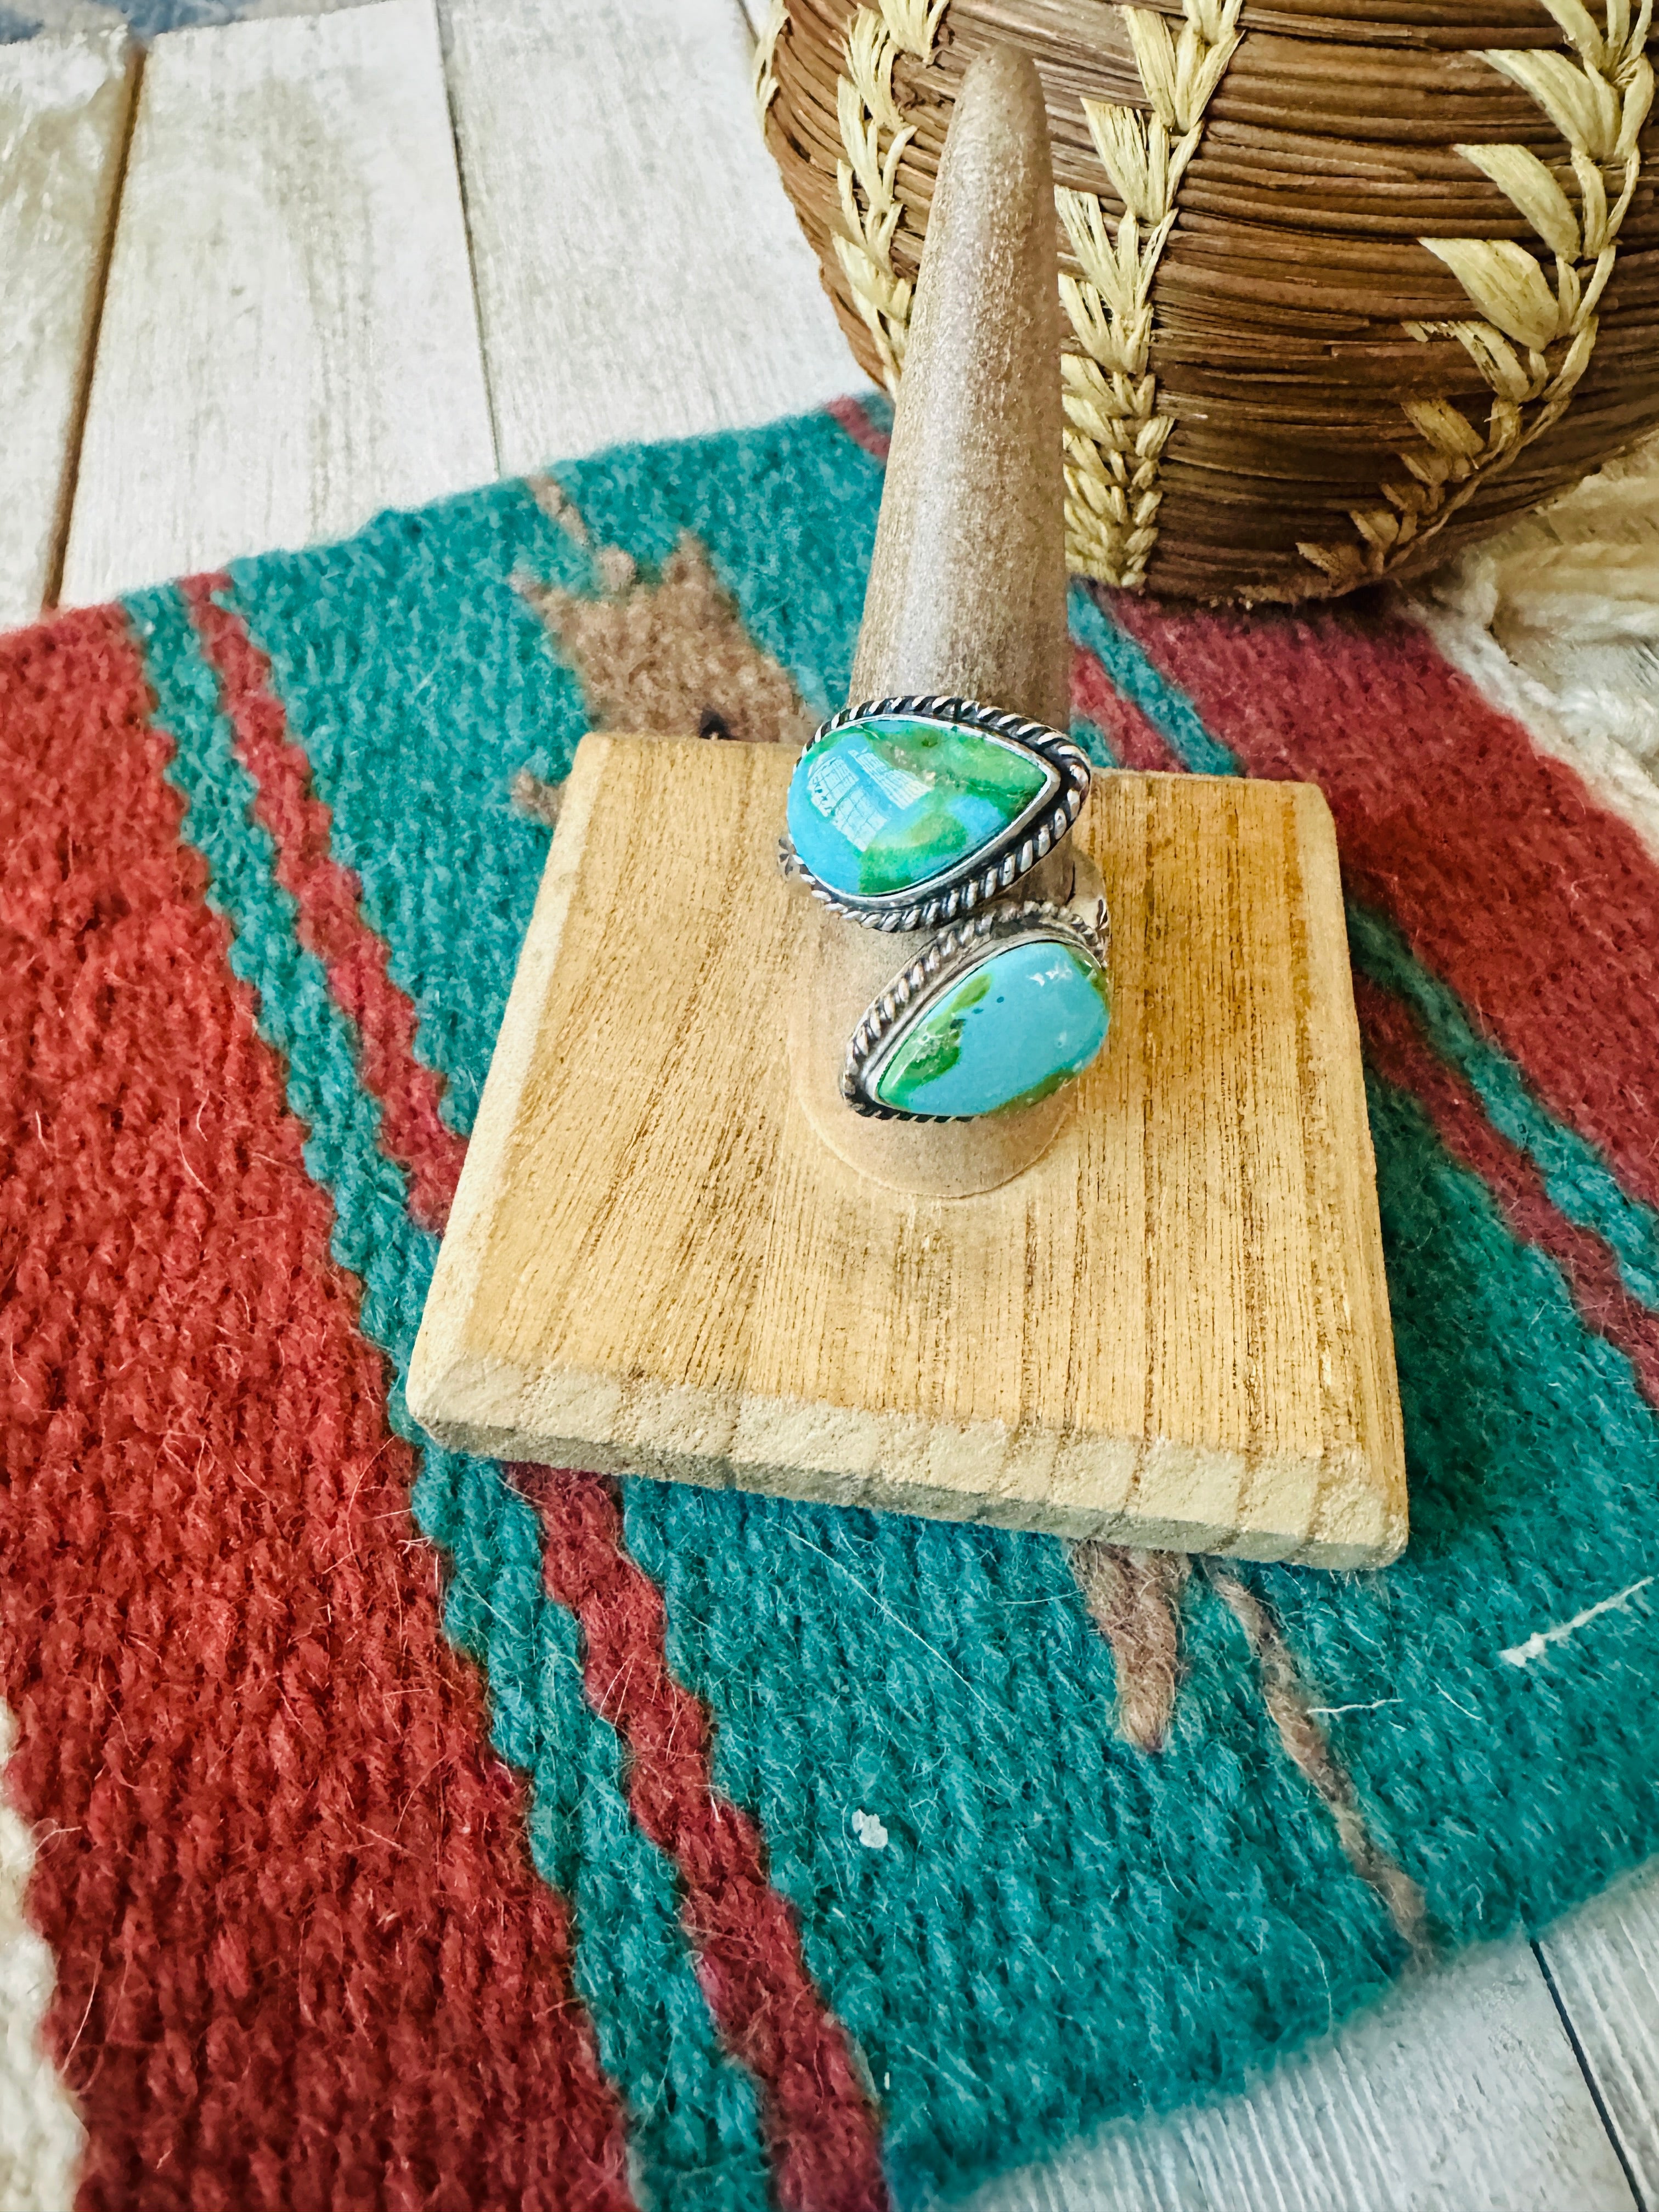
408,1829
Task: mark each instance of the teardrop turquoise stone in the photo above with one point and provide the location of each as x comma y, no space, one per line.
891,801
1011,1031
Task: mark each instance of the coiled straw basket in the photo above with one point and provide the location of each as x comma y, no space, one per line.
1344,288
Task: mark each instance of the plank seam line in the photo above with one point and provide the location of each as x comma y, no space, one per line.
69,482
440,13
1590,2081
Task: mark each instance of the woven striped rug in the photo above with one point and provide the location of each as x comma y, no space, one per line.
390,1828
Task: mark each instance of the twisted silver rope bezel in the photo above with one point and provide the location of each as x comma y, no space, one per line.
953,953
994,868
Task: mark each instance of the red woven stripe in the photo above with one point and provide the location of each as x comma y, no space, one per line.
1538,908
1399,1053
824,2137
329,897
302,1957
854,419
1125,728
757,1987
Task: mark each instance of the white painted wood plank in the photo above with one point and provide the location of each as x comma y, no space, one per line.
640,272
1460,2092
63,121
1604,1962
288,340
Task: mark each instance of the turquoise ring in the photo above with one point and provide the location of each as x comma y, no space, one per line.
997,1012
907,812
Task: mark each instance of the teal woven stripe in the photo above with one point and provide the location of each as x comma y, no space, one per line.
1509,1792
1534,1482
693,2117
1577,1178
1092,738
399,621
788,516
1139,680
1058,1927
1035,1822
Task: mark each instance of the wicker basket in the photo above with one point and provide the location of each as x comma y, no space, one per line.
1343,291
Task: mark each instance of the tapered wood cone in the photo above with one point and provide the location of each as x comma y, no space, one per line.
743,1281
967,591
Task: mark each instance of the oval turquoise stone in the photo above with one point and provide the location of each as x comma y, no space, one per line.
1014,1030
889,802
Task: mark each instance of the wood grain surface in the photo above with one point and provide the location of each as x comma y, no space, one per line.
1603,1965
640,273
1460,2092
967,588
1171,1330
288,339
64,105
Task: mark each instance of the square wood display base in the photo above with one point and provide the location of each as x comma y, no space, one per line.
1173,1330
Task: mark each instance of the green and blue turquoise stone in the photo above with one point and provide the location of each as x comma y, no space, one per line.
1014,1030
891,801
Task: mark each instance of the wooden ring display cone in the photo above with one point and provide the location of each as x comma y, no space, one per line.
1156,1313
967,591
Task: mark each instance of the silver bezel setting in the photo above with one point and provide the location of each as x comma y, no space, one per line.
992,869
953,953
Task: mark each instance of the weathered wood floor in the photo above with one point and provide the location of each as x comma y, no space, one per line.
286,273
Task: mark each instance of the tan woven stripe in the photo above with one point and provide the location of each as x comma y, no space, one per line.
534,796
549,496
1134,1598
669,655
1286,1698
